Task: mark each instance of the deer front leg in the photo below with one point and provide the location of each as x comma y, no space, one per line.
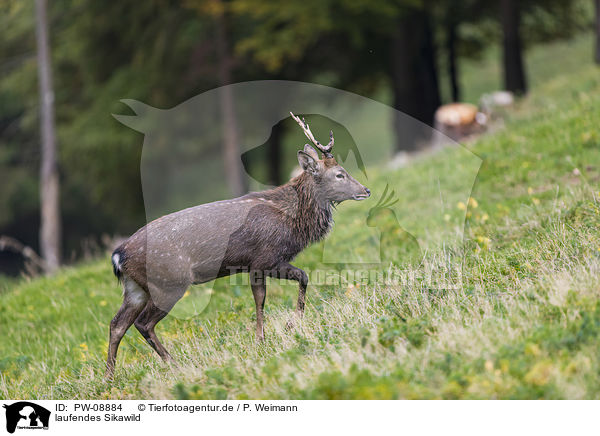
259,290
290,272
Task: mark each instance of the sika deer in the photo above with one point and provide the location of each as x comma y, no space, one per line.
258,233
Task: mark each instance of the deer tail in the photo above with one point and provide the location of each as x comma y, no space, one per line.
117,259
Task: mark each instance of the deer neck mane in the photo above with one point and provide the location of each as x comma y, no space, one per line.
313,218
309,216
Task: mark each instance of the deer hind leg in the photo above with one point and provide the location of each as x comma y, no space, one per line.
145,323
134,300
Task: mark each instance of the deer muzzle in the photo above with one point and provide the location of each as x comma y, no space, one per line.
364,196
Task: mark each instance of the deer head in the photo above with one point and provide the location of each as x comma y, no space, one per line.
333,183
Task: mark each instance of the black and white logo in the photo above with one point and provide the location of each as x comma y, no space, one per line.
26,415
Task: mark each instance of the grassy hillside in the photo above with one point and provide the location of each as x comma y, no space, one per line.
525,323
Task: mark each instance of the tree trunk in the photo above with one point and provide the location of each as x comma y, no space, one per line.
597,31
50,225
514,73
274,157
234,170
451,38
414,78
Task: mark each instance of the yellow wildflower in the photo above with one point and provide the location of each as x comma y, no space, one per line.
349,290
532,349
540,373
483,240
83,349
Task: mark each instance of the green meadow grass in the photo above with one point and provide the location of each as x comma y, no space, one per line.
524,324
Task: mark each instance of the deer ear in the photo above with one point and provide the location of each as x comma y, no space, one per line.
307,162
308,149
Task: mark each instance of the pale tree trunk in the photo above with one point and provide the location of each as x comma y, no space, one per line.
597,57
50,226
234,170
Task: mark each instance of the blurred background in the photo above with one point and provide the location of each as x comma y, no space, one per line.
70,173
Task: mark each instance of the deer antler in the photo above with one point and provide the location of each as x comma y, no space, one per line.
326,150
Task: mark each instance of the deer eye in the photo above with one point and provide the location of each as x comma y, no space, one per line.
339,176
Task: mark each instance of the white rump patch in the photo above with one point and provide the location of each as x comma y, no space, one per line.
134,292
